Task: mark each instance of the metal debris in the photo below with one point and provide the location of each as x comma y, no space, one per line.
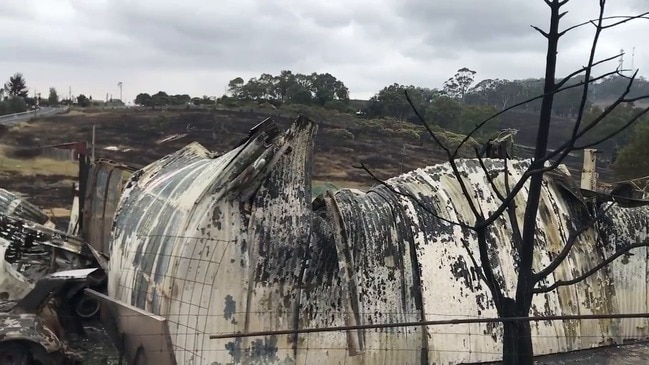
102,190
13,205
31,329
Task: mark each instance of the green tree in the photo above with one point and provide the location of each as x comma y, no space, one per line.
496,92
53,98
143,99
391,101
253,90
268,83
609,88
326,88
12,105
446,112
83,101
283,83
300,92
17,85
159,99
603,135
472,115
458,85
234,86
290,88
633,160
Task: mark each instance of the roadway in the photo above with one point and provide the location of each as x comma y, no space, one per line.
11,119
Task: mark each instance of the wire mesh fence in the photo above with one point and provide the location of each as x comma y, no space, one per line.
255,322
446,343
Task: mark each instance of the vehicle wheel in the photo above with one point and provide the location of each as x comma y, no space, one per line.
85,306
16,353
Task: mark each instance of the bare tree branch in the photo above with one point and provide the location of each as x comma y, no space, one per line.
616,132
489,178
415,199
477,267
572,239
527,101
430,130
624,18
563,81
544,34
487,268
589,68
568,146
585,68
511,207
451,160
590,272
511,211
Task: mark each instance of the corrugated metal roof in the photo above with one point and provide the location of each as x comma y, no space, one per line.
232,244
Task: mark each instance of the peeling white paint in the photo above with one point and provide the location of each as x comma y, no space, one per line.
232,244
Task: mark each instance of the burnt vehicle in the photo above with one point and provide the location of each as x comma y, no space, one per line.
33,330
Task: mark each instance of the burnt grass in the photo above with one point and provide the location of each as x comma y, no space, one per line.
340,145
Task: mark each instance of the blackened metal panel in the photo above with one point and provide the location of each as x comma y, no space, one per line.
104,188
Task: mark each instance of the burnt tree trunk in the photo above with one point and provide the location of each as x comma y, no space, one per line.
517,335
517,346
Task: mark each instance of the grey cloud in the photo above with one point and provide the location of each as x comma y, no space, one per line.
476,25
216,38
367,44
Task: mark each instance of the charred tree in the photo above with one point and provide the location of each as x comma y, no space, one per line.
517,339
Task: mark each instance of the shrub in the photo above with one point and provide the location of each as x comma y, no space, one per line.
339,133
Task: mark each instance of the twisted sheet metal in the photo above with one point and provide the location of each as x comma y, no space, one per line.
13,205
232,244
102,193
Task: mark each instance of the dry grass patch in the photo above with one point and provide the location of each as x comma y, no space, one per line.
36,166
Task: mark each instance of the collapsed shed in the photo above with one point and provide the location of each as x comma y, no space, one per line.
234,244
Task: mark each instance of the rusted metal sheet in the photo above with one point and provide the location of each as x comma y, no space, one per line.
65,151
103,189
231,244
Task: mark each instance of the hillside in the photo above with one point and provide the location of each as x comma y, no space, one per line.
137,137
140,136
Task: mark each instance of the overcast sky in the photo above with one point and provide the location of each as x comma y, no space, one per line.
197,46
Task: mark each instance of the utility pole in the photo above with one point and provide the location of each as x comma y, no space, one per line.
589,171
92,156
621,66
120,91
